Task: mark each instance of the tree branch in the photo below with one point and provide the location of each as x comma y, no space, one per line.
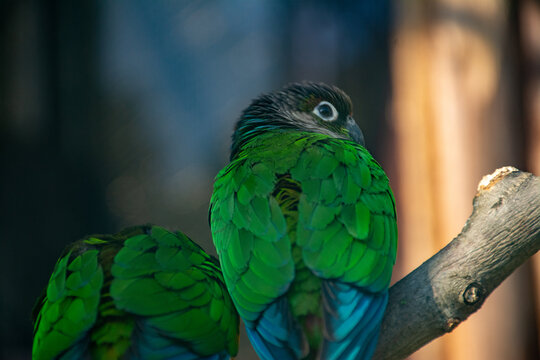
502,232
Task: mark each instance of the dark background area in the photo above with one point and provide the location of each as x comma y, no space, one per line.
120,113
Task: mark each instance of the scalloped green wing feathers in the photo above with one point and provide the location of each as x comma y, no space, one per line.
343,195
346,215
250,234
70,306
188,299
146,292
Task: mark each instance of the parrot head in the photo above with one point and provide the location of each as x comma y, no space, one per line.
312,107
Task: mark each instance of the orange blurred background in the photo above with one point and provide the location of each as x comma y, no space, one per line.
466,78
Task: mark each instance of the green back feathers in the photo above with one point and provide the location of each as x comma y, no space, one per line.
347,226
344,207
142,290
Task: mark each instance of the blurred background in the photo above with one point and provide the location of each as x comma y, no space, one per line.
120,113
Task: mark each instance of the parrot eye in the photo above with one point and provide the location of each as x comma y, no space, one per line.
326,111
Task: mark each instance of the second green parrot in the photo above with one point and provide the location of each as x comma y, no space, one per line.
143,293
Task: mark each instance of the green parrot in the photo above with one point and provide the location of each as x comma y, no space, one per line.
143,293
304,222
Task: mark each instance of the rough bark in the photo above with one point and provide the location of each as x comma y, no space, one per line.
502,232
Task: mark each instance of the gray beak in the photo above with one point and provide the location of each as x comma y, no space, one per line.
354,131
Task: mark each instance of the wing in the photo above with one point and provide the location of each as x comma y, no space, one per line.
347,219
251,235
178,295
69,308
347,230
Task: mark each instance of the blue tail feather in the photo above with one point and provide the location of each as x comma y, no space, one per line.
352,321
363,338
371,343
276,335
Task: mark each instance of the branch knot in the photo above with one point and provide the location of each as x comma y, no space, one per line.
473,294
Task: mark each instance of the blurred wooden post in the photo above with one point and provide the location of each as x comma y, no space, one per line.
412,117
529,19
454,109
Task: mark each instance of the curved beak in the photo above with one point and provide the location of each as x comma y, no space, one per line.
354,131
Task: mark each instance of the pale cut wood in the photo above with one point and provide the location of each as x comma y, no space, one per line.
502,232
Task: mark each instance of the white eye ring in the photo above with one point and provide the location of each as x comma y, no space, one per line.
326,111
